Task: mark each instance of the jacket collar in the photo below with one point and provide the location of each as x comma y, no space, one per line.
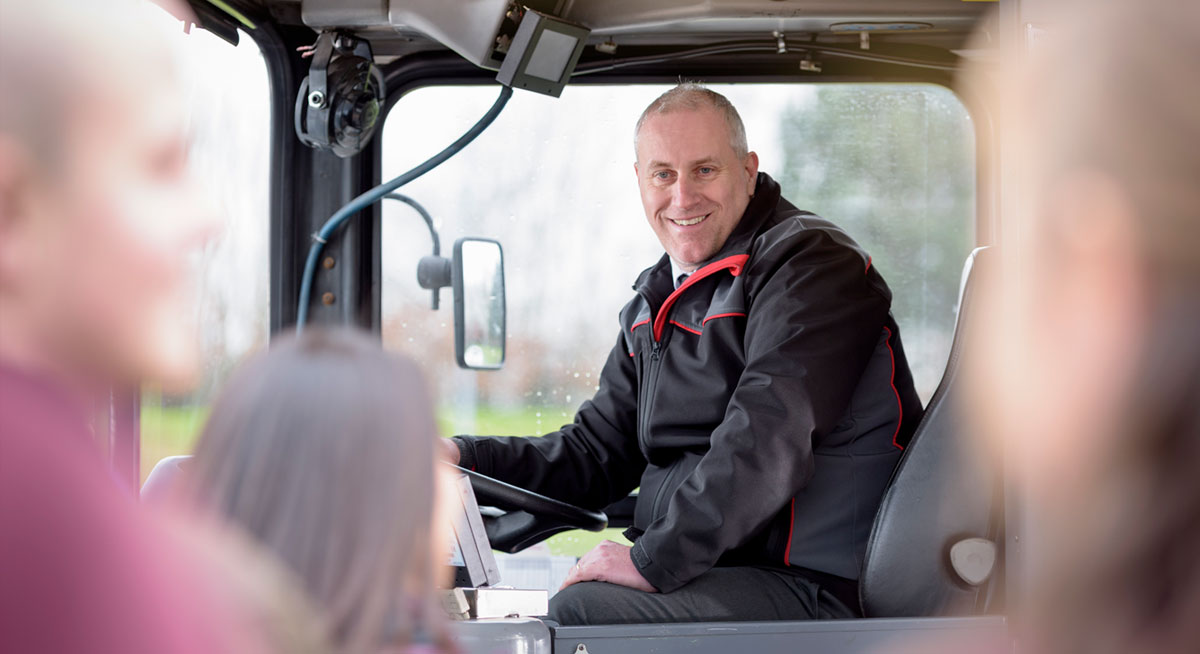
655,283
759,212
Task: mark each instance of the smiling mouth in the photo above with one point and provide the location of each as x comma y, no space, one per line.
688,222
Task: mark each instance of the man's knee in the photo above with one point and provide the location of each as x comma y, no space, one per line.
596,602
569,605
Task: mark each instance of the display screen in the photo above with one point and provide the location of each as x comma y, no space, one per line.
469,552
456,558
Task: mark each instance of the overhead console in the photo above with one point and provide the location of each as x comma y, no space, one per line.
532,48
468,27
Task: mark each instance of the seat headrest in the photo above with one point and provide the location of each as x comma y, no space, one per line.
164,478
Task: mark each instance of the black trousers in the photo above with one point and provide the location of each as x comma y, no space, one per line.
721,594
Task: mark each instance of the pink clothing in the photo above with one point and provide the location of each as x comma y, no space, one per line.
82,569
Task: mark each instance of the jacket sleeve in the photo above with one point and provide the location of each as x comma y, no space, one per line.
591,462
813,321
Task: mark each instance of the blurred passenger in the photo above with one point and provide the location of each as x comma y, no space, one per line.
97,215
1091,379
323,449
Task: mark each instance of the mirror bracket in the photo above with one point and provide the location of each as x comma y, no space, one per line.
434,273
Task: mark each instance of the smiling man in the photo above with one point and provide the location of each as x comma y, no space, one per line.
758,394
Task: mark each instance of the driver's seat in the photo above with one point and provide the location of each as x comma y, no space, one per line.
935,546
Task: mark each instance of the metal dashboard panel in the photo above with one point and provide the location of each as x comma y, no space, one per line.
982,634
502,636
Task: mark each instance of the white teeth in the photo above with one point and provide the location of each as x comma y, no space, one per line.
690,221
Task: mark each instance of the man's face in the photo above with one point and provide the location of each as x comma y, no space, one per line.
105,284
694,187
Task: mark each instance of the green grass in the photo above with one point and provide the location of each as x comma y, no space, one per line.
167,431
520,421
171,430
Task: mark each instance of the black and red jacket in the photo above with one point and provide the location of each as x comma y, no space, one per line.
761,407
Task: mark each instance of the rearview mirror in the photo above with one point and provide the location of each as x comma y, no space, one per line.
479,309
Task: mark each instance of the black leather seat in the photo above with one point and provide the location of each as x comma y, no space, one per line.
934,548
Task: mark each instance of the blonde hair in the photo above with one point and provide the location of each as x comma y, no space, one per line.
55,53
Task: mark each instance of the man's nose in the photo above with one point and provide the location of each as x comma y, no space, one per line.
683,193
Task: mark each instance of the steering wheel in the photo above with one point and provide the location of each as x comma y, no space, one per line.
523,517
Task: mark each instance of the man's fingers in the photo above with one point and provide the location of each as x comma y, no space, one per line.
573,577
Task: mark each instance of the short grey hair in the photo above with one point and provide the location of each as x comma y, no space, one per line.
691,96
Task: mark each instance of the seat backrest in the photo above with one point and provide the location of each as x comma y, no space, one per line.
939,495
164,477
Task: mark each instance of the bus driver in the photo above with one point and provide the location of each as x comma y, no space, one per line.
758,394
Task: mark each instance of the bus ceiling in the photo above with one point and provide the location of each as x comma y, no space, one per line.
481,30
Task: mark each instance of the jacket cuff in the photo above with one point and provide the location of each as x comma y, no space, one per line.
654,573
466,453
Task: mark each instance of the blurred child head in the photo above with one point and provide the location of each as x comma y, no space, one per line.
323,450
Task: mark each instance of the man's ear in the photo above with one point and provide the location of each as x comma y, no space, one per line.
637,171
751,164
15,179
9,176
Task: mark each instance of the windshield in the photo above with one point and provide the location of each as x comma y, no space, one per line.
553,180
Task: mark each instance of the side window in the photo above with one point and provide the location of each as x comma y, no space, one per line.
553,180
893,165
228,95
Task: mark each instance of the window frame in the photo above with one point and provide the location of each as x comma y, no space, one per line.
292,216
487,85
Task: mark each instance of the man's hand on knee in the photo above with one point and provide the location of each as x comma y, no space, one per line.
609,562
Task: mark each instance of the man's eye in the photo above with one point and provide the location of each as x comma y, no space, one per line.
662,175
705,170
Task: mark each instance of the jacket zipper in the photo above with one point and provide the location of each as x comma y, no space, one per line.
648,388
662,488
657,329
646,392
